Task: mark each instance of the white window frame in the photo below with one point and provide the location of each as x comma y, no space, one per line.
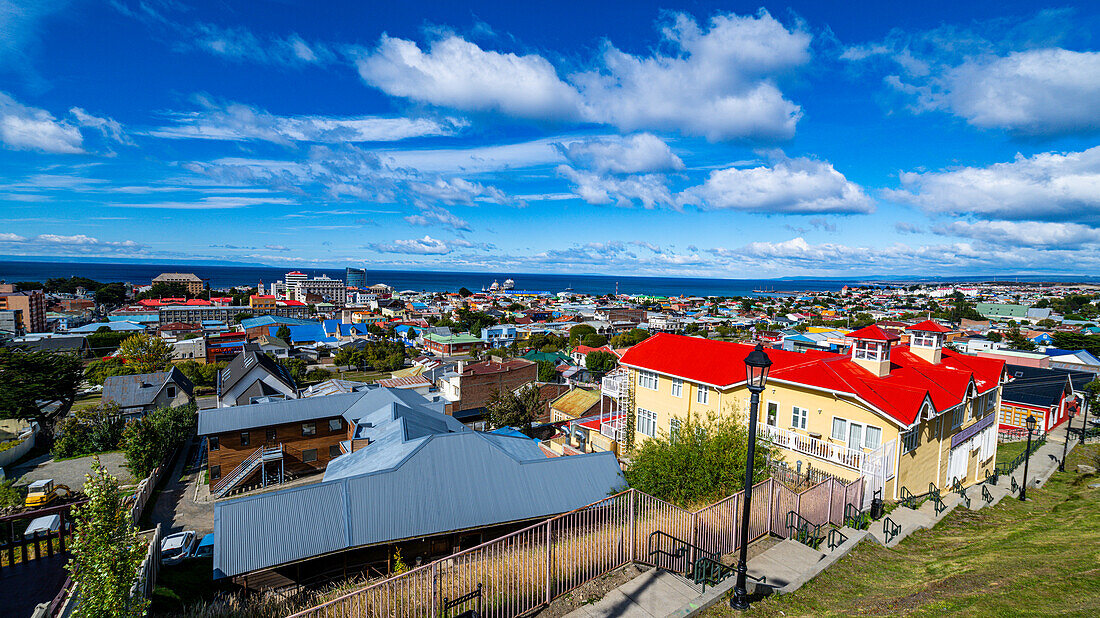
805,416
866,433
910,440
702,394
674,425
843,437
767,411
677,387
869,350
647,422
644,378
848,438
925,340
958,415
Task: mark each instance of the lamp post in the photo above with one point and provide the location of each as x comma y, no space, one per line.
757,364
1030,429
1065,445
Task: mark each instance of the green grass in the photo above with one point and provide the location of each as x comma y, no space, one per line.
1008,451
362,376
1038,557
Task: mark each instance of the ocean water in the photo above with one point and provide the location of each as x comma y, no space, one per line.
420,280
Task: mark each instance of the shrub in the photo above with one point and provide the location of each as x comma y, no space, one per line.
702,461
148,440
89,430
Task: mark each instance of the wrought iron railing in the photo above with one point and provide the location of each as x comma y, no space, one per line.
836,539
890,529
1008,467
908,500
957,487
803,530
856,518
988,497
937,502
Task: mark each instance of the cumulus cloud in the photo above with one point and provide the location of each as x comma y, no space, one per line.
1026,233
789,185
238,122
30,128
718,82
1044,186
1004,74
456,73
904,227
641,153
60,244
434,215
649,190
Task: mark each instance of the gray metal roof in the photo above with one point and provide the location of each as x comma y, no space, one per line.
141,389
237,418
242,363
445,482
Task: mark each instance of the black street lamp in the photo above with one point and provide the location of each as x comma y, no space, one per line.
757,364
1065,446
1030,430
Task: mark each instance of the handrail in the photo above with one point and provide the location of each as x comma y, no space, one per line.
1015,486
988,497
856,518
907,498
890,529
244,468
1008,467
802,530
957,487
933,491
679,552
835,542
937,502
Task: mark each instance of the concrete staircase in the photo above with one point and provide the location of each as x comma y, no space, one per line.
789,564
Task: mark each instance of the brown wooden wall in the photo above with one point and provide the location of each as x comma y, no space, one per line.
231,452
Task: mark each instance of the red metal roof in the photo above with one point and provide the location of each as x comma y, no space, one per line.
900,395
874,333
929,326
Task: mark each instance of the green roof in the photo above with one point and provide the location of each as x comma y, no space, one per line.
1004,310
553,357
452,339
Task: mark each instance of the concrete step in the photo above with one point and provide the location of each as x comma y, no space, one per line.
655,593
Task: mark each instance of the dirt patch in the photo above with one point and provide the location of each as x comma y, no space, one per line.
953,586
592,591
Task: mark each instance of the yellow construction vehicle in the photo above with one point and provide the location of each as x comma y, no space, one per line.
41,493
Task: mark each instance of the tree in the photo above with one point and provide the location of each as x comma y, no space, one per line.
318,375
201,374
376,330
993,336
111,294
600,361
148,440
1018,341
98,371
703,460
38,385
633,336
579,332
594,340
89,430
106,551
296,367
105,341
547,371
146,353
464,292
283,332
242,316
174,289
514,408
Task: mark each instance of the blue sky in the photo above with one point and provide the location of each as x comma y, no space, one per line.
705,139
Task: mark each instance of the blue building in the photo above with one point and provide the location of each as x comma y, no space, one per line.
499,336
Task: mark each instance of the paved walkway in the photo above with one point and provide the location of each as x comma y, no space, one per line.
789,564
175,507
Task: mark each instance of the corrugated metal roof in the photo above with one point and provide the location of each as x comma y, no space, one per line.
141,389
446,482
237,418
577,402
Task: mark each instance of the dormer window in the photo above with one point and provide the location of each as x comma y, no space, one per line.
923,339
870,350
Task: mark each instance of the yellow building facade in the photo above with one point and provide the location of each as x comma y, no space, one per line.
830,413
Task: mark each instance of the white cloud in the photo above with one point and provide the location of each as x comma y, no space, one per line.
1026,233
1036,92
215,202
641,153
59,244
416,246
435,215
276,247
456,73
30,128
720,83
789,185
235,121
9,237
1043,186
1003,73
242,45
110,128
650,190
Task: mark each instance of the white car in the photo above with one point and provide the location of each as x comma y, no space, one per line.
175,547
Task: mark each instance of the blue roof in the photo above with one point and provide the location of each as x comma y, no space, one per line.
114,326
512,432
448,482
268,320
303,332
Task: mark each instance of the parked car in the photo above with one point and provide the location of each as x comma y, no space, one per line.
175,547
205,547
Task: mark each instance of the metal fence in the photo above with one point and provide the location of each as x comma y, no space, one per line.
527,569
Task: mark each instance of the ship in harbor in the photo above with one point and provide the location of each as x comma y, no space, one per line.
508,284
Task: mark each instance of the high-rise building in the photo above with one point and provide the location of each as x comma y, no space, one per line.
331,290
31,305
356,277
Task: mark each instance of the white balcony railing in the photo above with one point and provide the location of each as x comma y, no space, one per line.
793,441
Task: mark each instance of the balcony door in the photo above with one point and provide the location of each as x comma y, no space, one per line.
855,436
773,414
